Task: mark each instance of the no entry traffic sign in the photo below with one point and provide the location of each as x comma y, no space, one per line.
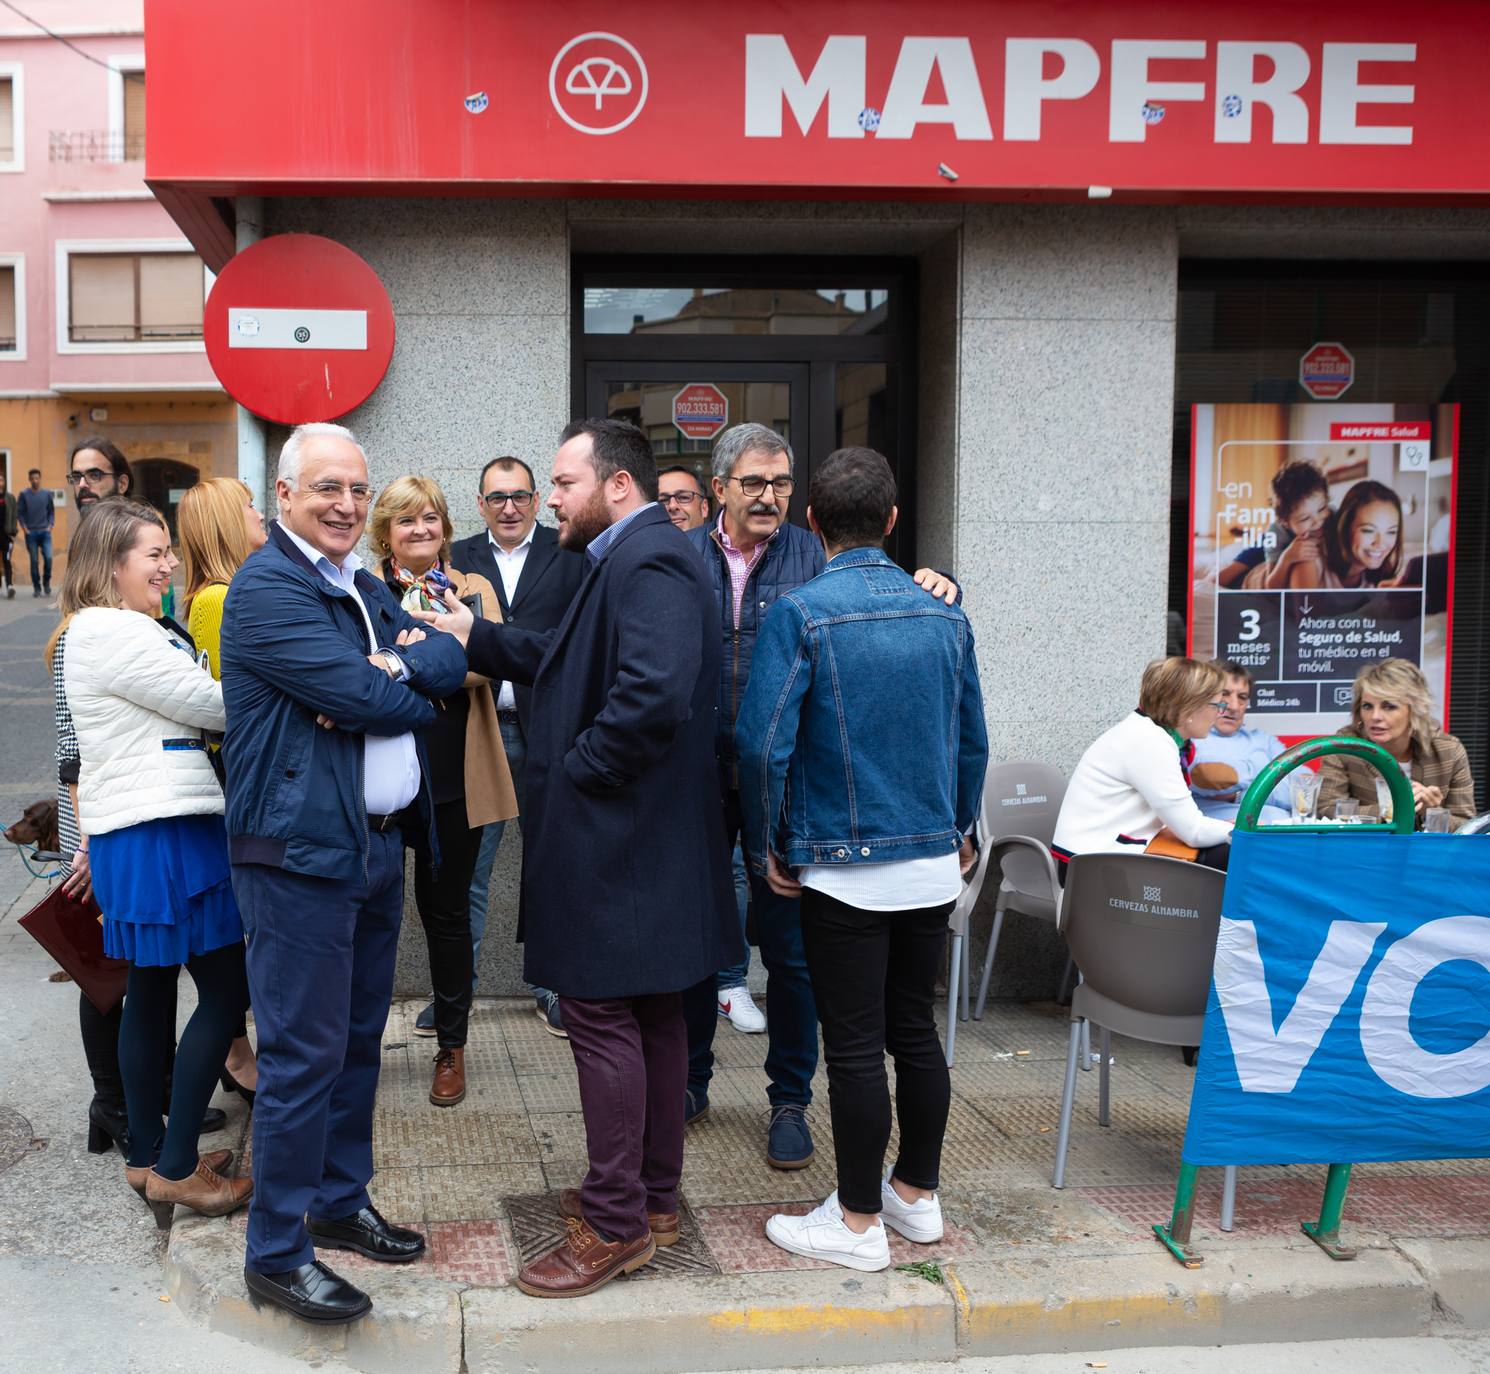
298,329
1326,371
700,410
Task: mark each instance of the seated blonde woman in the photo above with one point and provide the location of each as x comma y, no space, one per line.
1132,785
1391,706
410,532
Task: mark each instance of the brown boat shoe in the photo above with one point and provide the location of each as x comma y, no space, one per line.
582,1262
449,1087
219,1161
663,1225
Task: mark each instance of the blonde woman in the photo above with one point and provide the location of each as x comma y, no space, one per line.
1391,706
219,528
1133,782
152,809
410,532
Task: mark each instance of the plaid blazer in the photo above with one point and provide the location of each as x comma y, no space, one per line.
1444,765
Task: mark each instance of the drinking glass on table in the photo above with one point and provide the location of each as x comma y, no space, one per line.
1304,789
1383,799
1438,820
1347,809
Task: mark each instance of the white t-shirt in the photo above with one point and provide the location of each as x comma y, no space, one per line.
904,885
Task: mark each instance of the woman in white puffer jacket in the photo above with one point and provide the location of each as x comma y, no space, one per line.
151,805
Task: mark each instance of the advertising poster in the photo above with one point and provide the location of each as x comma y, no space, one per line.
1322,540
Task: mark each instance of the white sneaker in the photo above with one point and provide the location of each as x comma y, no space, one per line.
920,1221
739,1006
823,1234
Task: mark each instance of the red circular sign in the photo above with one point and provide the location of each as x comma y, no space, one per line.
298,329
1326,371
700,410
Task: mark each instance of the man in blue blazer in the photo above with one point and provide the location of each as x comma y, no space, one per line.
627,894
326,679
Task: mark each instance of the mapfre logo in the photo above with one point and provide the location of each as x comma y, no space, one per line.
598,83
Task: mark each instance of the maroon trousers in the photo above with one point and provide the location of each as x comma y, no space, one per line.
631,1055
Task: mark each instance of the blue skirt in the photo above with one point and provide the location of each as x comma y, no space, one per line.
165,889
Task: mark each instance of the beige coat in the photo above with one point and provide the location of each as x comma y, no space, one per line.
490,795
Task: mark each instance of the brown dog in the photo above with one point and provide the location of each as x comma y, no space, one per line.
37,826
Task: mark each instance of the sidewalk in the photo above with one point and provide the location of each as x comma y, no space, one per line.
1022,1267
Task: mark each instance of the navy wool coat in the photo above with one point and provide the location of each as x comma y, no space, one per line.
626,884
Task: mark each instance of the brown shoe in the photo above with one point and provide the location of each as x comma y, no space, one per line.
583,1262
219,1161
450,1078
663,1225
203,1191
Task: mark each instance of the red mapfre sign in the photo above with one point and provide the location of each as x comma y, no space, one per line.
1326,371
1154,99
700,410
298,329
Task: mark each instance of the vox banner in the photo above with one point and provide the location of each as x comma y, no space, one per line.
1322,540
1349,1013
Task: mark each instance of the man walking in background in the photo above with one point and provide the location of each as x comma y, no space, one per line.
35,515
626,897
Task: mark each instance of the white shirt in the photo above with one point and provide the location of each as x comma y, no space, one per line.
904,885
510,568
390,769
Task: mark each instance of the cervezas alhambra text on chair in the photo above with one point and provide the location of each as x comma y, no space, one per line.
1143,933
1015,823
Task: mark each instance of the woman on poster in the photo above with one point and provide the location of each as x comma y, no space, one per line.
1361,546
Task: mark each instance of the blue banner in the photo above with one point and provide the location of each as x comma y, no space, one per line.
1349,1013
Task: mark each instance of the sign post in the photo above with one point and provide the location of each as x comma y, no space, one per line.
298,329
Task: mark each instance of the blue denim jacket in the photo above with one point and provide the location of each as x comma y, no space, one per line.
861,735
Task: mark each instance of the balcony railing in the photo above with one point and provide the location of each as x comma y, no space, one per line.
95,145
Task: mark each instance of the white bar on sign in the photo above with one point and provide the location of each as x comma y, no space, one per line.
335,329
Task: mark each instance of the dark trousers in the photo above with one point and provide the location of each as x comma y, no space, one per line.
444,902
631,1055
321,954
791,1017
874,974
146,1033
7,543
39,546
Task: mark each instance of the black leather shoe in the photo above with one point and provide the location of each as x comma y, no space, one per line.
312,1292
213,1119
368,1234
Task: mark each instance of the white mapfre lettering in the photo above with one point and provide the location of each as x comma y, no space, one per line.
1245,75
772,78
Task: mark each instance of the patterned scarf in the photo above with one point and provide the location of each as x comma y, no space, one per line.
425,592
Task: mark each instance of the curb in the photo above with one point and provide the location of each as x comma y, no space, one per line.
1028,1305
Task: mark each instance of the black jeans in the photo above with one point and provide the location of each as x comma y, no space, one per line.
145,1034
874,976
444,902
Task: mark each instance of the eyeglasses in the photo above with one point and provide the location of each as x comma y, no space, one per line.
1216,705
89,476
360,492
683,498
521,500
754,486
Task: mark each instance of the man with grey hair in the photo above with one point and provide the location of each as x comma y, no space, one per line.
754,557
326,679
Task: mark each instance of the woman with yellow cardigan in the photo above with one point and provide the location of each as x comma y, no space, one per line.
219,528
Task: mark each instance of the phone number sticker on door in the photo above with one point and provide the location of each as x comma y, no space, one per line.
700,410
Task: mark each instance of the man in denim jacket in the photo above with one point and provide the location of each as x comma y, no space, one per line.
862,750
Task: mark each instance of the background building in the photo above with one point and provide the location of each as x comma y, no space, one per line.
1011,262
100,292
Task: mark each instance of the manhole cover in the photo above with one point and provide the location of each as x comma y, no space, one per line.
537,1227
16,1138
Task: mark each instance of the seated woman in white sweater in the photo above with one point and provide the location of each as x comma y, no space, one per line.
1134,781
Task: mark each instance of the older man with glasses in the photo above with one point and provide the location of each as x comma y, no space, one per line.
535,581
754,556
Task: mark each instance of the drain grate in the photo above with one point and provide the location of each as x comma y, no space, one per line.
16,1139
537,1228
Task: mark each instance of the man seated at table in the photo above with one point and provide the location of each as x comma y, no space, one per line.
1232,755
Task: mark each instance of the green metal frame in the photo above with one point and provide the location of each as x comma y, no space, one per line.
1175,1237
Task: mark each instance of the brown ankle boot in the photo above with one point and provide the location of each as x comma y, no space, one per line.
450,1078
203,1191
219,1161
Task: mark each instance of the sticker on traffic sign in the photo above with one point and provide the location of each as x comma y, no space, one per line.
700,410
298,329
1326,371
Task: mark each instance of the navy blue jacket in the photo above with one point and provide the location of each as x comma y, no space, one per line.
293,646
861,736
626,880
793,556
